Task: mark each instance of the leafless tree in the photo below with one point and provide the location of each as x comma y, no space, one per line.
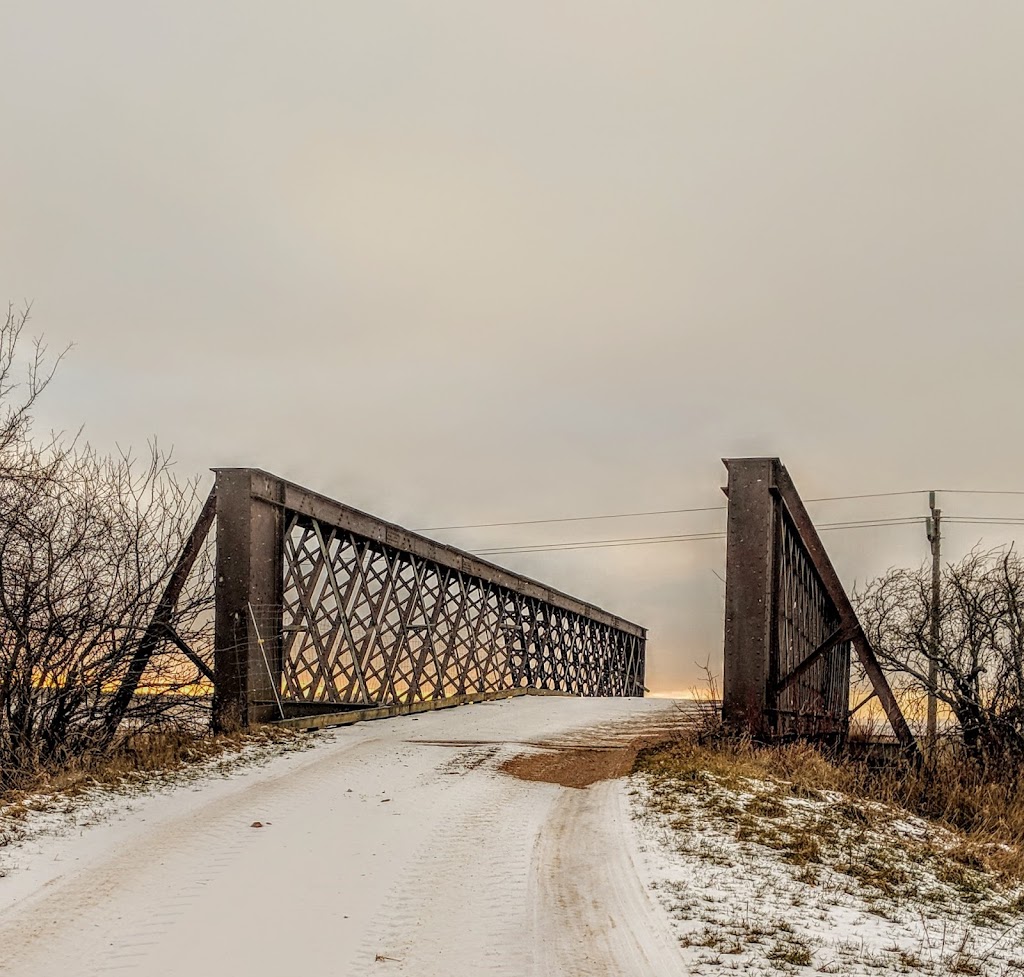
87,545
19,396
980,655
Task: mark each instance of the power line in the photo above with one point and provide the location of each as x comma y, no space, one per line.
868,495
980,491
709,508
872,523
611,515
696,537
649,512
598,543
987,520
585,544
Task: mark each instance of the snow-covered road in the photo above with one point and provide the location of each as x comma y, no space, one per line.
394,847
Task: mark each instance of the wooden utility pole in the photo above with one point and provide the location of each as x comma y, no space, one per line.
935,538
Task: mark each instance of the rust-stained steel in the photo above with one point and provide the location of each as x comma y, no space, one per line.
789,624
355,611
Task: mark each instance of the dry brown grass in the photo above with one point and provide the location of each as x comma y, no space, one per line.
143,756
983,813
783,858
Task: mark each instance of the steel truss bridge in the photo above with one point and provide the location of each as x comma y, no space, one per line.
321,608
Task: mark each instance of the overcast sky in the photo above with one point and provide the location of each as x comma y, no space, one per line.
458,262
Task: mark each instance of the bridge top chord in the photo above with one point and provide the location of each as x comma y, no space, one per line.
296,498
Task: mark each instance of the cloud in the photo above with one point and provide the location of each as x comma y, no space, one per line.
460,262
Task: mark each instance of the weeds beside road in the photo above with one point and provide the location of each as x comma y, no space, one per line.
776,859
78,793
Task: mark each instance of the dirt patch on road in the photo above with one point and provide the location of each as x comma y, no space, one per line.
581,766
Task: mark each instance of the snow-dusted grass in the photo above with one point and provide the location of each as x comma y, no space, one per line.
764,874
73,800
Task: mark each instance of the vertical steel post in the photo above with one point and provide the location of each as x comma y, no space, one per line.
749,593
250,574
935,538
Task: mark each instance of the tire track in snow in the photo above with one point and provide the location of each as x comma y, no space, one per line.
547,881
593,917
479,855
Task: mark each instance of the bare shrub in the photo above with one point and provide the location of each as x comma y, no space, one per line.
979,661
87,545
707,704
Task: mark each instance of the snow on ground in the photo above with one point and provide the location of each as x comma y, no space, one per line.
401,847
35,831
760,880
393,847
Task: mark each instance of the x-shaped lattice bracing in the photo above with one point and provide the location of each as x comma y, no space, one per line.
364,622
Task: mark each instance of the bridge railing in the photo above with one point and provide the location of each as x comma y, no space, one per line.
789,625
322,607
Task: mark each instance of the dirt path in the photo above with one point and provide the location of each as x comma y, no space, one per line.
396,847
